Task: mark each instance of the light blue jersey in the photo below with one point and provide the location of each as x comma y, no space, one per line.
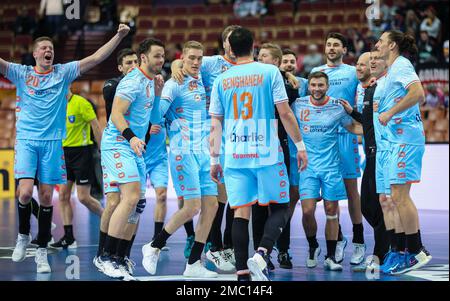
319,127
246,96
380,130
156,149
359,99
405,127
303,90
42,99
139,90
212,67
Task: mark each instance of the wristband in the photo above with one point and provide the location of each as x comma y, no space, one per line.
128,134
300,146
215,160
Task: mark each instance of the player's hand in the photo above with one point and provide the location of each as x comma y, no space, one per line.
123,30
293,80
155,129
384,118
216,173
159,84
302,160
178,76
375,106
348,108
138,146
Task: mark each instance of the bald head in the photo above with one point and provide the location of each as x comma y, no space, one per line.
362,67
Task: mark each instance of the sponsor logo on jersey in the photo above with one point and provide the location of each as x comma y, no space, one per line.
253,137
193,85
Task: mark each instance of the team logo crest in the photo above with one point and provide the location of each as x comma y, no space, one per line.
197,98
71,118
193,85
224,68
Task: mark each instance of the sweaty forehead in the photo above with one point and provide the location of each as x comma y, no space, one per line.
43,44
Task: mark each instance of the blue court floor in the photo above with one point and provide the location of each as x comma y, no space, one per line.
77,264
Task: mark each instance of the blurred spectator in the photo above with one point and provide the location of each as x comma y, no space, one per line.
108,13
378,26
427,49
431,23
435,98
312,59
52,11
398,21
445,51
24,24
357,44
412,22
26,56
243,8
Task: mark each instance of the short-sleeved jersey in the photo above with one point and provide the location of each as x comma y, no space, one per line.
137,88
245,96
184,109
319,127
405,127
42,99
212,67
303,90
79,115
380,130
342,83
156,146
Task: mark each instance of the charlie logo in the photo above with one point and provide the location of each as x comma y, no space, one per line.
72,9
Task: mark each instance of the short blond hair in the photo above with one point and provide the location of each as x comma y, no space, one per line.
192,45
274,50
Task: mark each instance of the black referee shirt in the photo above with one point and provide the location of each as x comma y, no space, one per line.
109,90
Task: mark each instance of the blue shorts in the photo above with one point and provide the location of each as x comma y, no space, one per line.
44,158
327,185
405,163
122,166
294,177
382,172
349,156
190,175
264,185
158,172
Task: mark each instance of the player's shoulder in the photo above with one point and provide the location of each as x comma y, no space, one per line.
302,101
400,64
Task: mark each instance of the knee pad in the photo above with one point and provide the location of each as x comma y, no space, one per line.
133,218
331,217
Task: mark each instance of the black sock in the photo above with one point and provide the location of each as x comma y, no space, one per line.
413,243
122,248
340,236
393,240
279,214
227,240
420,238
160,239
34,207
158,227
68,232
331,248
24,218
240,242
358,234
196,252
101,243
111,244
189,227
312,241
216,232
401,241
44,224
130,245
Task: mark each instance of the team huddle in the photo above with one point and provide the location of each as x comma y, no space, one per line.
246,139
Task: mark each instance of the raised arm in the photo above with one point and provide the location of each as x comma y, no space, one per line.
101,54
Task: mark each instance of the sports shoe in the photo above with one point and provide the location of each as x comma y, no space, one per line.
197,270
123,268
220,261
390,261
34,242
98,263
229,255
65,243
340,248
188,247
284,259
20,251
359,252
130,264
412,262
311,261
258,268
41,260
331,264
207,247
270,265
111,268
150,258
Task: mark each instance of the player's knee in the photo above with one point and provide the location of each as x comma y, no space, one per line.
331,209
46,198
161,198
192,210
308,212
112,200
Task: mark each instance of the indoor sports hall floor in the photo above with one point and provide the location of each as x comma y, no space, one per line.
434,228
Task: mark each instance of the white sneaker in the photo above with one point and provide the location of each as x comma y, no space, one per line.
42,261
359,252
20,251
331,264
258,268
130,264
123,268
111,269
98,263
150,258
340,248
229,255
219,261
197,270
311,261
